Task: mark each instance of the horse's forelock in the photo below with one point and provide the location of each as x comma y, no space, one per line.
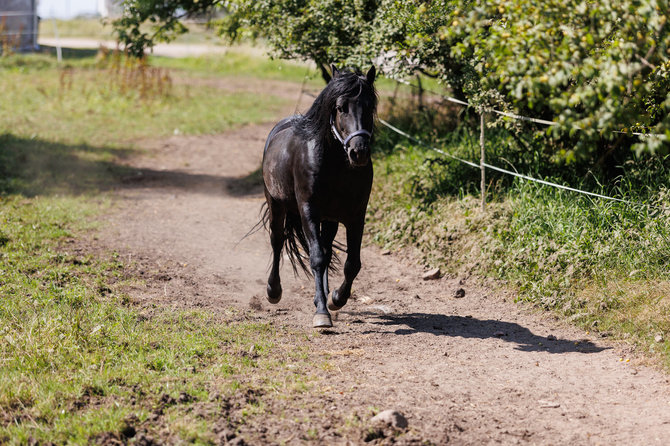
346,84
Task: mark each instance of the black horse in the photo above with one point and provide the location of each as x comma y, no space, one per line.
317,173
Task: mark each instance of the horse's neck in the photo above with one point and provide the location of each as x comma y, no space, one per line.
333,154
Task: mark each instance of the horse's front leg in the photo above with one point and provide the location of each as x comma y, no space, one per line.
351,267
328,233
318,263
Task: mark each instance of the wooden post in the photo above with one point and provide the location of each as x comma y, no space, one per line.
482,160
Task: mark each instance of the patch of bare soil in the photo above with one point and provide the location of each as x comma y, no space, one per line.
462,362
281,89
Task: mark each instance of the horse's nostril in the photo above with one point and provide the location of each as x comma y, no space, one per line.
358,156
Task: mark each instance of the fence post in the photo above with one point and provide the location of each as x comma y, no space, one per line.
59,51
482,160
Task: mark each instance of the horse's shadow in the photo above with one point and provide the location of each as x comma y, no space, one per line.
470,327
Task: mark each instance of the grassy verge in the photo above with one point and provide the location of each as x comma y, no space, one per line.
102,29
64,129
241,62
78,363
600,264
80,27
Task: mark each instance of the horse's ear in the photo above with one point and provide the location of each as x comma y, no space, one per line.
334,71
370,76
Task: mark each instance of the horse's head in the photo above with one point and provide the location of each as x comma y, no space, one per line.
352,120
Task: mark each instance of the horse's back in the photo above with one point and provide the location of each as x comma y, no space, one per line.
284,124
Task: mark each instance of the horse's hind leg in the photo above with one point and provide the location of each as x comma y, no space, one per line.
277,216
351,267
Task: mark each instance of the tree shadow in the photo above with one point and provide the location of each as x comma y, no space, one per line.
70,53
250,184
470,327
194,183
32,166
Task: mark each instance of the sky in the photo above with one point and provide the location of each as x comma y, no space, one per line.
65,9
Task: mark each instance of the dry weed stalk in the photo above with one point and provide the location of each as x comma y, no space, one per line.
8,40
131,74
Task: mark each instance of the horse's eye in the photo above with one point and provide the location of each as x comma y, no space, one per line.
342,108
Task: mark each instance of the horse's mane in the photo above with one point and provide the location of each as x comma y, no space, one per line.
316,121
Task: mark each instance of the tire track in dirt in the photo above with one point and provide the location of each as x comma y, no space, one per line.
472,370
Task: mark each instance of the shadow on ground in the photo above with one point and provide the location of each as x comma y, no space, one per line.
250,184
69,53
470,327
32,166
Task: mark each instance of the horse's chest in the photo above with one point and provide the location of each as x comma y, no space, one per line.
345,195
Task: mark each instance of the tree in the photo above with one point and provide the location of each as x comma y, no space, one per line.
599,68
323,31
163,17
595,67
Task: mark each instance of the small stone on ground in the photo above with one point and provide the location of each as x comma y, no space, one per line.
391,418
548,404
432,274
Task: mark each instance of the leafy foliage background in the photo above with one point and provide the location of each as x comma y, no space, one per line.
598,68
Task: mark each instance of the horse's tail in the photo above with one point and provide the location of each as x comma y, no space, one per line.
295,242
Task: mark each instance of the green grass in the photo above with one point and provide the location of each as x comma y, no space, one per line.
242,62
31,166
64,130
81,28
79,362
108,104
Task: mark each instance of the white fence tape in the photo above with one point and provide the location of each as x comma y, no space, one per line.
525,118
509,172
418,141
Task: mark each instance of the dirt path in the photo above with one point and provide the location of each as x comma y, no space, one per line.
472,370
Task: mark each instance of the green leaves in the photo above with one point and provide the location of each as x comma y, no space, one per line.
162,17
325,32
595,67
587,65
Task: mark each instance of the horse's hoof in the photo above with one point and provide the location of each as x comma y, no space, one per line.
331,304
273,296
322,320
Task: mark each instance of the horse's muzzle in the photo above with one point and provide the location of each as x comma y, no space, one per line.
359,155
359,150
